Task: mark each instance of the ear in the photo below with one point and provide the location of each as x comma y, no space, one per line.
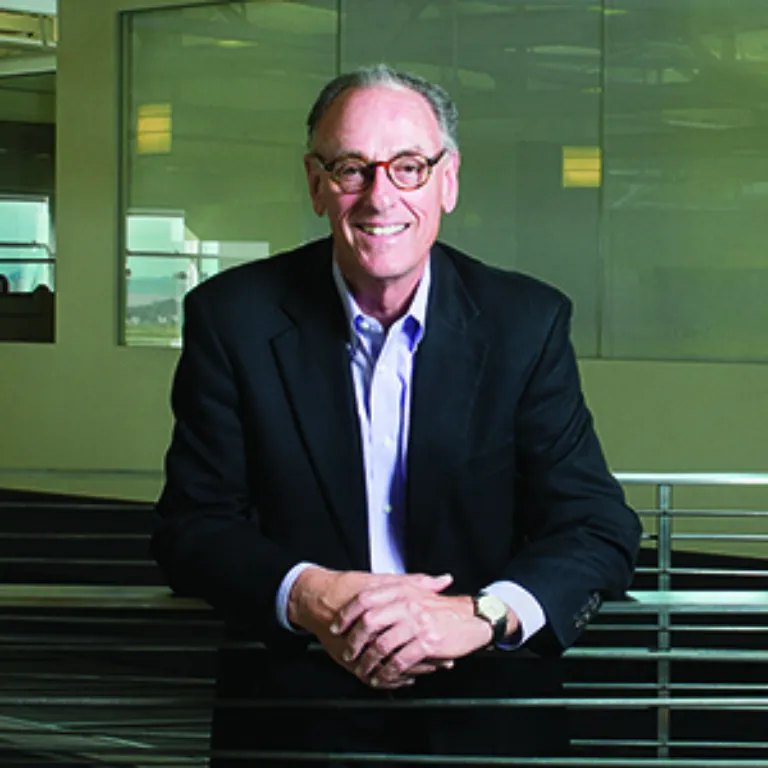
315,181
450,181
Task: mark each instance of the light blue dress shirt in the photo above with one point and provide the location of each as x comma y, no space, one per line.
382,365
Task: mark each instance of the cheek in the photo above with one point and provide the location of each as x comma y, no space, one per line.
427,212
341,209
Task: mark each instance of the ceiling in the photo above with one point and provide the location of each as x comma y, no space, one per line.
28,37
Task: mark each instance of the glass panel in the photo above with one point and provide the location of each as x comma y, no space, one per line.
216,114
526,80
155,232
686,180
24,221
662,250
155,288
26,253
24,277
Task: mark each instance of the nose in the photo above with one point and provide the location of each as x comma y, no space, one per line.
381,192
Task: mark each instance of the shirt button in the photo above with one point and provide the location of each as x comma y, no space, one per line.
387,509
389,442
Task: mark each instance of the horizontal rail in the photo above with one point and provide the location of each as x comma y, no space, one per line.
744,703
705,572
681,512
194,758
47,536
692,478
630,478
161,598
89,561
78,506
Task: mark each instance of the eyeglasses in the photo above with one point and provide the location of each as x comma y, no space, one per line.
407,171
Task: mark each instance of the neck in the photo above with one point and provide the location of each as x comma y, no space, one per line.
385,300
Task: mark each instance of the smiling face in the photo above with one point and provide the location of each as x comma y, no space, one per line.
382,234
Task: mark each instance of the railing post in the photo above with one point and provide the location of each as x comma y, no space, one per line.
664,562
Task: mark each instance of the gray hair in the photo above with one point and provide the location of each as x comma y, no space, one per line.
383,75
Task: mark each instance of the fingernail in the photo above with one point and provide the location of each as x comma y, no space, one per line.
449,665
410,681
374,682
347,655
335,629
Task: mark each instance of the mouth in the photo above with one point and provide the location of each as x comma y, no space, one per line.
380,230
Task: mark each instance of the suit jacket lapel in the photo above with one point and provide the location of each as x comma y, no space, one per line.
314,363
447,371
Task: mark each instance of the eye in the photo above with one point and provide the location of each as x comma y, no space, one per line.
348,170
410,165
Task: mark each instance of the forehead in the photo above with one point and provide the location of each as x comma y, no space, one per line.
378,122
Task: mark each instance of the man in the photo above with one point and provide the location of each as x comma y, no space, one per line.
381,445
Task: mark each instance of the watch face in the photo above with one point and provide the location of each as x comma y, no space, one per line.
491,608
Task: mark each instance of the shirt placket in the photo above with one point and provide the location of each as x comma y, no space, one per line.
385,425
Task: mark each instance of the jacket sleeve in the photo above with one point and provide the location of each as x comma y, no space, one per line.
207,538
581,537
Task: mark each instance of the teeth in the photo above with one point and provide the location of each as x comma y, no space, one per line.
390,230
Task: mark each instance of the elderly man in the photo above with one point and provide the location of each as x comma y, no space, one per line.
381,444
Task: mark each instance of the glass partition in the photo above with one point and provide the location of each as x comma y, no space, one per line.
686,183
216,102
614,149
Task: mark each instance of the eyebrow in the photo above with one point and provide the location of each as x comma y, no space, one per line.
416,149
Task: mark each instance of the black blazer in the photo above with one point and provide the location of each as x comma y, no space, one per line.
505,480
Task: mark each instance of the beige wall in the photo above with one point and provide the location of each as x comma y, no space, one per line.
85,402
25,107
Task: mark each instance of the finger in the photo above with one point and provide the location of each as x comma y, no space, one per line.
431,583
381,647
400,663
430,666
387,628
382,630
367,599
427,667
392,588
363,601
391,686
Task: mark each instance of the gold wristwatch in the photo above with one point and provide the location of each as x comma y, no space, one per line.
493,610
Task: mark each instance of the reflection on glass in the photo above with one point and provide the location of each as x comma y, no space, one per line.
686,181
657,235
165,261
525,79
25,276
230,186
154,129
26,243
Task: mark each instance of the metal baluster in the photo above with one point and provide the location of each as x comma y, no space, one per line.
664,555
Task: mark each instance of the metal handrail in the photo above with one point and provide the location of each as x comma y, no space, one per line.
692,478
628,478
186,697
663,605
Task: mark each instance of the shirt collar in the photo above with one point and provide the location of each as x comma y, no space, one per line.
417,310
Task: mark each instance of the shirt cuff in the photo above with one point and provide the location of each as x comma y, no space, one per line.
526,607
284,591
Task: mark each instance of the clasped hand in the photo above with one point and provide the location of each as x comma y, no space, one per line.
387,629
396,632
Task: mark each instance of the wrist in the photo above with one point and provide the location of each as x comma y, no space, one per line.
304,600
480,627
